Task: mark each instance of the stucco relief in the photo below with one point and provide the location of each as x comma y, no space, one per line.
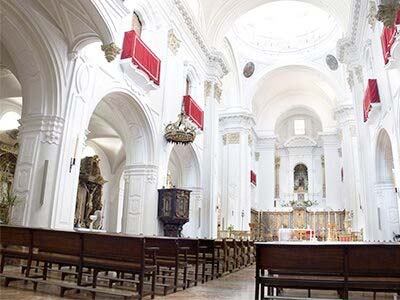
231,138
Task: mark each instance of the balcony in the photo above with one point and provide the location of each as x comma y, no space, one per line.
193,111
371,96
139,62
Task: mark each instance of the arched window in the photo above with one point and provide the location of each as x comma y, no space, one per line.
137,24
9,121
188,86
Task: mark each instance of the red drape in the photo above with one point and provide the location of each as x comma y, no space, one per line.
371,96
194,111
253,178
141,56
388,38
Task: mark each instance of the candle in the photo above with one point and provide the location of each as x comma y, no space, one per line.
315,223
76,146
329,217
335,217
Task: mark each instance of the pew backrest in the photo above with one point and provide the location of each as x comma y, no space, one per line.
300,259
374,260
113,246
15,236
55,241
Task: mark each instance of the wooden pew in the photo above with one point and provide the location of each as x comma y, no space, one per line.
374,267
16,243
299,266
56,247
192,255
112,252
210,267
169,261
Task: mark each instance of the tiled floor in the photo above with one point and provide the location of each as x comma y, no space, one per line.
237,286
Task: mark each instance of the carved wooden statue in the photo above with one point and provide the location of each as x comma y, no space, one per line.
89,191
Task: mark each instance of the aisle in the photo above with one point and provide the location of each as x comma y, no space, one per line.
236,286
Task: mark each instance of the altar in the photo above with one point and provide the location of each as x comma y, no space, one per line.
301,223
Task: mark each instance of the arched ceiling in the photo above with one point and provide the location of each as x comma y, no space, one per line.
293,87
219,15
104,134
292,79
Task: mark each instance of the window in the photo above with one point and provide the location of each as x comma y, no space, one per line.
188,86
9,121
137,24
299,127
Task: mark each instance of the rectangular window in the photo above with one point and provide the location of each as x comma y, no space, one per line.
299,127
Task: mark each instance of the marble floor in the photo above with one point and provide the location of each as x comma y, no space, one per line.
236,286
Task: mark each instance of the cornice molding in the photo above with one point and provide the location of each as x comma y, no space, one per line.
347,47
213,57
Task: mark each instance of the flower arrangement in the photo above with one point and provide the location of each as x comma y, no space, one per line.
300,203
7,202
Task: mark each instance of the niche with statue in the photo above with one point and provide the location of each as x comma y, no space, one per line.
89,204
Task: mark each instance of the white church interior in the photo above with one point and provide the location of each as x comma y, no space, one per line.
200,149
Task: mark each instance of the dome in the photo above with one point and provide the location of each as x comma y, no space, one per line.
287,27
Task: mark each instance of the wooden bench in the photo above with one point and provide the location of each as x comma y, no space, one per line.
208,250
120,253
374,268
16,243
332,266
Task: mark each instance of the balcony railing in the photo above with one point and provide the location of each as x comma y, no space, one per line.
141,55
371,96
193,111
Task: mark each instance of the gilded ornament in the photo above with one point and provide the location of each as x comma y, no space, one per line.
111,51
387,13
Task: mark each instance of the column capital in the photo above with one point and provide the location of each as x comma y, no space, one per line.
344,114
238,121
266,142
49,127
329,138
149,171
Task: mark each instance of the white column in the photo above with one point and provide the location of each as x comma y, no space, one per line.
140,200
211,142
235,161
36,177
347,122
332,170
266,170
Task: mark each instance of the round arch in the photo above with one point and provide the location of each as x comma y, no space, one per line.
386,202
134,124
35,62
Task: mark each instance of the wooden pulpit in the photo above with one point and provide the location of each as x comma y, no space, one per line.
173,210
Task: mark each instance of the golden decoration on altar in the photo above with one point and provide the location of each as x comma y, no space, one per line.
181,131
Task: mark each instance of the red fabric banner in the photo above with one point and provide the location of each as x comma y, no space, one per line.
193,111
387,39
371,96
141,55
253,178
